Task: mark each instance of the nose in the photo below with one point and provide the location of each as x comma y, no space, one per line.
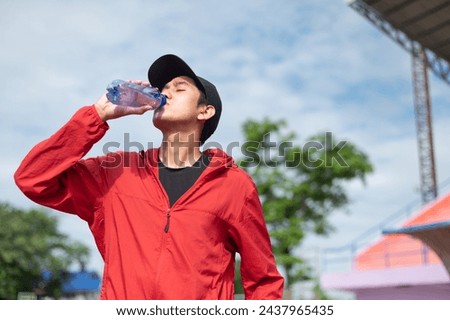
167,93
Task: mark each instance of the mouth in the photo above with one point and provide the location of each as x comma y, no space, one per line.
160,108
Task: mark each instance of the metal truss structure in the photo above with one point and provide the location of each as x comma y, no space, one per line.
421,27
422,107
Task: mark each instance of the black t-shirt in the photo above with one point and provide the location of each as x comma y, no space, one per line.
177,181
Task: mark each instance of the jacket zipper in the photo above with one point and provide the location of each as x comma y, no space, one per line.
167,226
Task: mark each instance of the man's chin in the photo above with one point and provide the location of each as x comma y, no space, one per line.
159,122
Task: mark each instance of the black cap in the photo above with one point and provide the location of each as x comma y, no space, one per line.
169,66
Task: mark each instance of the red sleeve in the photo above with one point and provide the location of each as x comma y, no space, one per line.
52,173
260,277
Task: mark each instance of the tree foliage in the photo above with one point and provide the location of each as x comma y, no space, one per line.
300,185
34,255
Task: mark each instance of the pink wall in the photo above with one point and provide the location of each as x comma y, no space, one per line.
393,277
421,292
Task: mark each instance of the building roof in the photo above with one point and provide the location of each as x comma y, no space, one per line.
412,22
398,249
424,21
435,235
81,281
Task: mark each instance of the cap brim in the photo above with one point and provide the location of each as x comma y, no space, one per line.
170,66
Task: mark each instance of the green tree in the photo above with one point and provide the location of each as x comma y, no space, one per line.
299,186
34,255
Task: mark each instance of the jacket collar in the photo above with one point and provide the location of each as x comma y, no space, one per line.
219,159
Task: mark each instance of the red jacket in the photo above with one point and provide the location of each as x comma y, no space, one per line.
152,250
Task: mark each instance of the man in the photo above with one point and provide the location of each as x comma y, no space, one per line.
167,221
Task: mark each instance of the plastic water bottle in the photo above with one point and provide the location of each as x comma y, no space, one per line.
125,93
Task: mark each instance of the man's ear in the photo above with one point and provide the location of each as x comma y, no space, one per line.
207,112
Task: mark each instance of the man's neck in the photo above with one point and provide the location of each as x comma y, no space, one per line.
178,151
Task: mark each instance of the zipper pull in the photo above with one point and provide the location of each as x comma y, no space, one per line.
166,228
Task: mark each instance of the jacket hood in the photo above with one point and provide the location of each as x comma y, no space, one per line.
220,158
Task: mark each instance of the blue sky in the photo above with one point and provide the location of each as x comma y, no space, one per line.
316,63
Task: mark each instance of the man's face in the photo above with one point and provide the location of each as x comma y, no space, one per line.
181,109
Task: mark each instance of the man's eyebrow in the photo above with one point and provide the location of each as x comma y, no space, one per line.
177,83
180,82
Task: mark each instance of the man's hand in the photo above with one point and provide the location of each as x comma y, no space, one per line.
108,110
